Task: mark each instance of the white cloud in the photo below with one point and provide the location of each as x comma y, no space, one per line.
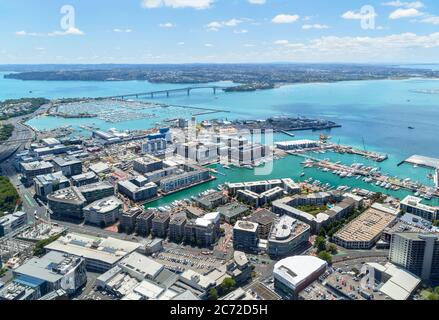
208,45
315,26
69,32
122,30
167,25
365,45
257,1
285,18
356,15
281,42
431,19
405,13
240,31
216,25
194,4
180,44
398,3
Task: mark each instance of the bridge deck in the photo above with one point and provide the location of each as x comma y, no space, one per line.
152,93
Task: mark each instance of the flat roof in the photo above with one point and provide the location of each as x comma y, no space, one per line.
295,270
367,227
424,161
141,264
401,283
246,226
108,250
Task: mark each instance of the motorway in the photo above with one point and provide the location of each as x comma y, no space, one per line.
21,138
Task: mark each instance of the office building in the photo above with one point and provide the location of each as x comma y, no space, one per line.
160,224
103,212
84,179
70,166
49,183
96,191
67,204
245,236
147,164
293,274
32,169
394,282
52,272
100,254
287,236
414,206
12,222
417,253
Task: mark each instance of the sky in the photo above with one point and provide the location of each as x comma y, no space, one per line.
218,31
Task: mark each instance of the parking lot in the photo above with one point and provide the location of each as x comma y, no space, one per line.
181,259
345,279
317,291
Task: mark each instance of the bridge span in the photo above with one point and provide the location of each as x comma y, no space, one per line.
168,92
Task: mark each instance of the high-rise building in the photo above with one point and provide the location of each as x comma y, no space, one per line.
416,252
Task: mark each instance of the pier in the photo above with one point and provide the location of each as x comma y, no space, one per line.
167,93
427,162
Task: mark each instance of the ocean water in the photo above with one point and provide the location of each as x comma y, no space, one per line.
374,115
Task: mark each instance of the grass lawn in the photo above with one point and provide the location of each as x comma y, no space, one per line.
313,209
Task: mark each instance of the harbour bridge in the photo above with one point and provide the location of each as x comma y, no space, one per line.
168,92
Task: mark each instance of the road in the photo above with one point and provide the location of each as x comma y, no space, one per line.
21,138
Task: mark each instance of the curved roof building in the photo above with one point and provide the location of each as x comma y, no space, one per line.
295,273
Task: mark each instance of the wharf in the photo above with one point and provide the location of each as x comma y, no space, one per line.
422,161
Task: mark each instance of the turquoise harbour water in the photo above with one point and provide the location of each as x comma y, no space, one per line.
378,112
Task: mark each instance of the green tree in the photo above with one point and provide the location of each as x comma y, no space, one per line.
432,296
332,248
227,285
213,294
325,255
320,244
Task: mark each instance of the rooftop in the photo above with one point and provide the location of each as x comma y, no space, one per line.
104,205
367,227
51,267
108,250
246,226
297,269
67,195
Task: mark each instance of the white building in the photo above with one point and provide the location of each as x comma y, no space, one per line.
293,274
100,254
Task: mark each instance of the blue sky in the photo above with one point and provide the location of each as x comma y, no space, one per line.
186,31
